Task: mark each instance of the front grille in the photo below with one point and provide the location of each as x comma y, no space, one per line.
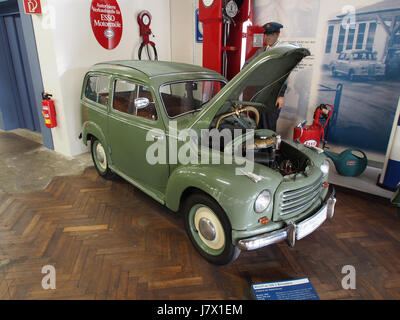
297,201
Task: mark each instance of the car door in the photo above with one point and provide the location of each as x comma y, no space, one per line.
346,63
128,127
340,63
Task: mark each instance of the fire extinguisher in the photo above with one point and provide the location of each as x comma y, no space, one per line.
312,135
48,110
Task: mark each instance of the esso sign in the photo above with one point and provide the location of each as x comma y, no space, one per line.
311,143
106,20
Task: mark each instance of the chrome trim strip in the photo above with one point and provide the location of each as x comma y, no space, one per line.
299,208
121,119
293,193
181,73
97,109
289,203
144,128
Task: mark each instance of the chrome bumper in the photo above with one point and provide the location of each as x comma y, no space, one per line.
292,231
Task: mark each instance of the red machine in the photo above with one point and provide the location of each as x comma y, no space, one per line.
48,110
255,40
312,135
225,32
144,20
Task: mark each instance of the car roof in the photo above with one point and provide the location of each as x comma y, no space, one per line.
152,69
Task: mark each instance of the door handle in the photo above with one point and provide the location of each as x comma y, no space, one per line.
157,137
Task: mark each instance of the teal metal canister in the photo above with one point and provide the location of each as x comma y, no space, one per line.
348,164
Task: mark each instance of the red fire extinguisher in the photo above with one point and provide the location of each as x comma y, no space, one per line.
312,135
48,110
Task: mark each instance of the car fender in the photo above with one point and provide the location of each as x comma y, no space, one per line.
90,128
234,193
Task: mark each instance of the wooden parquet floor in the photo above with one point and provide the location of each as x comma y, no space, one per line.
108,240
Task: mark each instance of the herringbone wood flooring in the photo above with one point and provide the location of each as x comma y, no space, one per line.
108,240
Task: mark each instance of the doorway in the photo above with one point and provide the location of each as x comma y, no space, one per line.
19,107
20,75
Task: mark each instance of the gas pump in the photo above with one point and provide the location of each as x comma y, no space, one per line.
225,32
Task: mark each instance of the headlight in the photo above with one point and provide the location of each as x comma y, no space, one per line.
325,167
262,202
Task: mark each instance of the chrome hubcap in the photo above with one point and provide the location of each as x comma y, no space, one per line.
101,156
207,229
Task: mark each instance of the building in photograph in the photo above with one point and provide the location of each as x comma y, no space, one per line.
375,28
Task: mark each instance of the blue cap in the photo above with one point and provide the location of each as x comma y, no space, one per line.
272,27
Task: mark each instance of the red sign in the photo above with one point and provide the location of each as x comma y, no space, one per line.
106,20
32,6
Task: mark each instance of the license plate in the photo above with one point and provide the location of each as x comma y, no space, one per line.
307,226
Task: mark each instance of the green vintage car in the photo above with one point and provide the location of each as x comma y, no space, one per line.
197,144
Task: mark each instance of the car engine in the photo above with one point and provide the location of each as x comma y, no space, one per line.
275,154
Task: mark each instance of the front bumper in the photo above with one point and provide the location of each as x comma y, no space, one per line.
292,231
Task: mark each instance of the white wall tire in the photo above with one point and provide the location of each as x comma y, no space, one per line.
100,159
213,240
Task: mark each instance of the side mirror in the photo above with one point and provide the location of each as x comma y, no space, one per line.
141,103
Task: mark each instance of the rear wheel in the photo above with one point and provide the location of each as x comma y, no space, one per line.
100,160
209,229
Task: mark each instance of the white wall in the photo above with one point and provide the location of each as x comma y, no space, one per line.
183,41
67,48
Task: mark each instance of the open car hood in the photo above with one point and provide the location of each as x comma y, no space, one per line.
266,73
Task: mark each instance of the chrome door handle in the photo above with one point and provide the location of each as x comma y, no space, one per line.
157,137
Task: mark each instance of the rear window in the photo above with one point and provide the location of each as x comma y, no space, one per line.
97,89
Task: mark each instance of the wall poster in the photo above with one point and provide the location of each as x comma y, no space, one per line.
355,66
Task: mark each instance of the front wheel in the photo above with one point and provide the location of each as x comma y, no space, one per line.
209,229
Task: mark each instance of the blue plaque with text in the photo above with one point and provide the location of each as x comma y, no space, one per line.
298,289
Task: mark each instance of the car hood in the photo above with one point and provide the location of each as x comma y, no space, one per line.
267,72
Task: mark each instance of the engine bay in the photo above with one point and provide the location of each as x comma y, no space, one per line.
266,146
275,154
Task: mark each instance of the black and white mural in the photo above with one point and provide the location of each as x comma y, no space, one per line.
355,66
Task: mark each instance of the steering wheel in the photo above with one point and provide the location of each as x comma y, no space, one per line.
237,112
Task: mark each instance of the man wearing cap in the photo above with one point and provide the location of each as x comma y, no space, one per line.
271,38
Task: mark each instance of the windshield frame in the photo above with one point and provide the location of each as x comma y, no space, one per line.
224,82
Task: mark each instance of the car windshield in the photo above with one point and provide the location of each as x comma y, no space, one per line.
364,56
188,96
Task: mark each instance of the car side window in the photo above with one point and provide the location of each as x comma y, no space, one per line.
97,89
126,93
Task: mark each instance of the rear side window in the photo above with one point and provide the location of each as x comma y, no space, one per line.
97,89
125,95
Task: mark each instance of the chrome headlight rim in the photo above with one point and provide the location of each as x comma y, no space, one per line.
325,168
263,201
